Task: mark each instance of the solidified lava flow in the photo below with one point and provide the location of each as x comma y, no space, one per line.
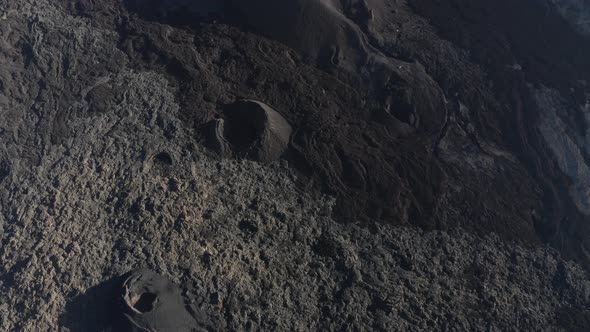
176,165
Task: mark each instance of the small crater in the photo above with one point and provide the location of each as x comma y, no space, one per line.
405,111
244,126
249,129
162,163
146,302
163,158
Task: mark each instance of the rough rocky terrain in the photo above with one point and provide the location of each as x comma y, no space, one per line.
437,176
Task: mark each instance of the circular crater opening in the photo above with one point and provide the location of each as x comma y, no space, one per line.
163,159
244,125
145,302
402,107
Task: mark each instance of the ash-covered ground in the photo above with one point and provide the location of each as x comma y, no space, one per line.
436,176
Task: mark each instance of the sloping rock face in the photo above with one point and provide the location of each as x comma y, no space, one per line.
576,12
459,137
540,74
434,175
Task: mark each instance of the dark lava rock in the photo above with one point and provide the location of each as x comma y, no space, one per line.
461,121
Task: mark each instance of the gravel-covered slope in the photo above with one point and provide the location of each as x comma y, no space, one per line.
103,169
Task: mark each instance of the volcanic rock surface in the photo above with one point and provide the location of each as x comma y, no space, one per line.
419,165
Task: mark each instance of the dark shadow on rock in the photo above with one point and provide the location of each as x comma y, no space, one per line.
140,300
177,12
96,309
573,319
4,170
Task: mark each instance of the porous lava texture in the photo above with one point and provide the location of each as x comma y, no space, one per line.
408,165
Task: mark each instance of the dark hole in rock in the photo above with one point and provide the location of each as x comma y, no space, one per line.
325,247
135,207
405,113
163,158
244,126
4,170
207,258
248,227
172,185
406,263
214,298
146,302
403,108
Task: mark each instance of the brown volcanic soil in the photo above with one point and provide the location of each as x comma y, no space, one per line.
106,109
